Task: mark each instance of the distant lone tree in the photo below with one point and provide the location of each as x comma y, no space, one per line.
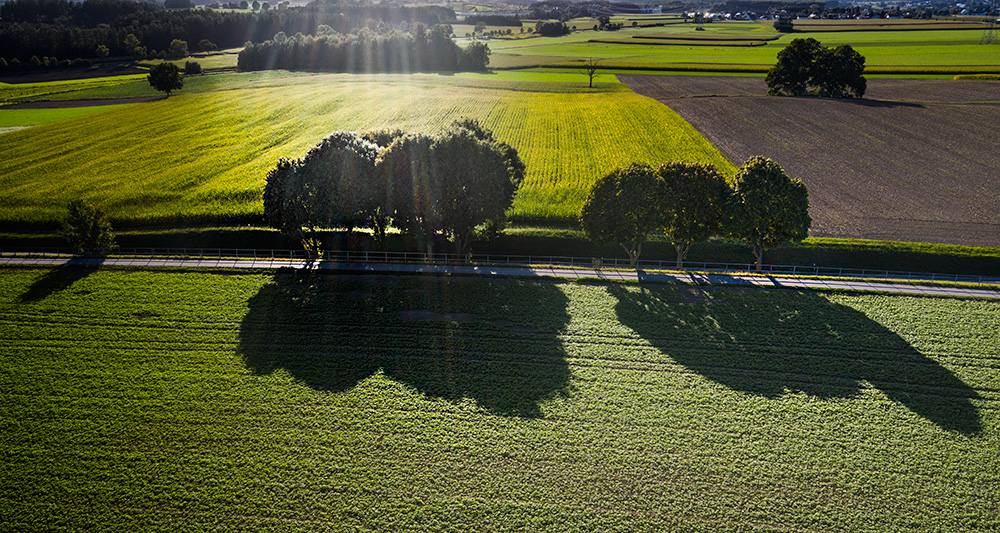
87,229
806,66
623,207
767,208
590,67
165,77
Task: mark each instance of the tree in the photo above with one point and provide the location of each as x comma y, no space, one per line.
475,57
132,45
101,51
452,182
332,185
178,48
192,67
783,24
590,67
623,207
767,208
470,184
165,77
794,69
480,28
694,204
806,65
840,73
207,46
87,229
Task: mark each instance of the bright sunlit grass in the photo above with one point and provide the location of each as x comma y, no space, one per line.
203,154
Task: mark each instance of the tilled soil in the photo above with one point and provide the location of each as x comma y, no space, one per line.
916,160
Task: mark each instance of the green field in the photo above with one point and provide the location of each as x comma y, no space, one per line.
948,49
34,117
202,155
71,89
142,401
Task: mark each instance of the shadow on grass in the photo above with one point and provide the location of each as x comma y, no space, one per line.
770,343
495,342
61,278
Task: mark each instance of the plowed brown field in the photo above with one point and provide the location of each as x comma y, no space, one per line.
916,160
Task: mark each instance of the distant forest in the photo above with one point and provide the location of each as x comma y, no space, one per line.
67,30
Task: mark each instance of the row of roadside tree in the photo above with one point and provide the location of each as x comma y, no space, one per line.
691,202
464,179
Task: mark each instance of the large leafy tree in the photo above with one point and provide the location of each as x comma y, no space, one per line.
623,207
332,185
767,208
839,73
87,229
451,182
165,77
472,184
806,66
693,203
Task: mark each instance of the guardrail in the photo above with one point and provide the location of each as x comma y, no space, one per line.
499,259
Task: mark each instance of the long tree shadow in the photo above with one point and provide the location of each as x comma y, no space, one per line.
773,342
60,278
495,342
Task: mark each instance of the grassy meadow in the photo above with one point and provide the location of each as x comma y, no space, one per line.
12,118
289,402
889,49
203,154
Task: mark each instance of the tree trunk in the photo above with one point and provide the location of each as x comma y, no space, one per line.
682,250
758,253
633,253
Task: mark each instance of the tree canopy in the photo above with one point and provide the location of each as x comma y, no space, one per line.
767,208
332,185
806,66
449,183
165,77
693,203
87,229
623,207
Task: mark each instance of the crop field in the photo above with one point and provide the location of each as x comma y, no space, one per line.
11,93
947,48
913,161
202,155
173,401
34,117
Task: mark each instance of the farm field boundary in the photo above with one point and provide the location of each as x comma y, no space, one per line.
888,168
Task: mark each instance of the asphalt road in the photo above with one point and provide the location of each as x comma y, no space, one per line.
557,272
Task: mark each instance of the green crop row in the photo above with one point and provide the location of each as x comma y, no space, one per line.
296,402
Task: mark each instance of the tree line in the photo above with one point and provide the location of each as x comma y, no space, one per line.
449,184
364,50
692,202
65,29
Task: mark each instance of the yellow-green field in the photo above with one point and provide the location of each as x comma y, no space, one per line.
202,155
